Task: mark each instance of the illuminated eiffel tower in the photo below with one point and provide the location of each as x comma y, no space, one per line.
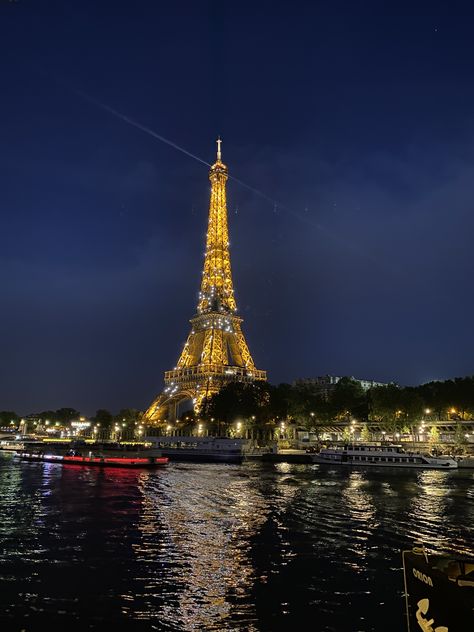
215,352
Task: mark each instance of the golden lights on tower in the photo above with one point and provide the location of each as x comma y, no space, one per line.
215,351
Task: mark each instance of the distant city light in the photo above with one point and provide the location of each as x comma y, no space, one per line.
80,425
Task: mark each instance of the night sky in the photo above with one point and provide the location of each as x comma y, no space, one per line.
355,121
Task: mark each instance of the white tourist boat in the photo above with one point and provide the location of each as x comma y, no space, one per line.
382,456
206,449
465,461
12,445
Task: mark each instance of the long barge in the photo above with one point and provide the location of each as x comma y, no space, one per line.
97,461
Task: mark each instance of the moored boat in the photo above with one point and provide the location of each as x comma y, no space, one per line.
202,449
13,446
94,460
382,456
465,461
439,591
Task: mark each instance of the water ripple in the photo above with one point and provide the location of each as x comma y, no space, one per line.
216,547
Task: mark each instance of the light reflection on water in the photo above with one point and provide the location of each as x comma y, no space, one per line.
219,547
206,531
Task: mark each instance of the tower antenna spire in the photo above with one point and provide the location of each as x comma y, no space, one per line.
219,143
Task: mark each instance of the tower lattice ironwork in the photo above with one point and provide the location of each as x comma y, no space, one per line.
215,352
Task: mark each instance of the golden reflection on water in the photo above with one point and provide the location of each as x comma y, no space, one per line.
206,531
203,547
363,515
428,509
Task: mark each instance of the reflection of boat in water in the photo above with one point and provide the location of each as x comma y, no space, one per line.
204,449
94,460
382,455
439,592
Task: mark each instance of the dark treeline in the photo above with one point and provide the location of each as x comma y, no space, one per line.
64,416
391,405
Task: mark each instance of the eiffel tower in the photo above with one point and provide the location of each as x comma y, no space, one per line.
215,352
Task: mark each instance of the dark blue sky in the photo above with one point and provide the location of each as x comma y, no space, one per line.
357,118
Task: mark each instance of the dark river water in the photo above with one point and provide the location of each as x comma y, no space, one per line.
219,547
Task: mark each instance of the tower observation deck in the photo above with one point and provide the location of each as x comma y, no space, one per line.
215,352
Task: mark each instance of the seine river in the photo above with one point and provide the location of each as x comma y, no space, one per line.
219,547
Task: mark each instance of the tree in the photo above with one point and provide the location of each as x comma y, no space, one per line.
49,415
346,435
308,405
103,417
365,435
128,415
65,415
281,402
411,409
239,399
6,416
460,439
433,437
349,398
464,396
385,403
